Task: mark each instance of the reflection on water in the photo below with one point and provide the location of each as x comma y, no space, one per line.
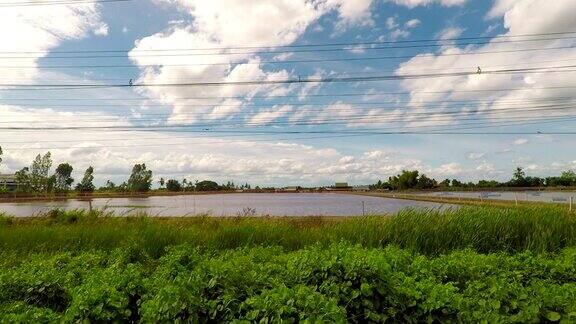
274,204
537,196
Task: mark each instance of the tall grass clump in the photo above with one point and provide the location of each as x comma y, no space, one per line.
484,229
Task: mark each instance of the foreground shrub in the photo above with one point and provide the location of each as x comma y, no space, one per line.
340,282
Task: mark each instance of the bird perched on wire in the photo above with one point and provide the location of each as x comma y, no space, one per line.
130,83
479,71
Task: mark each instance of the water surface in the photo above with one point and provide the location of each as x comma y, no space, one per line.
273,204
536,196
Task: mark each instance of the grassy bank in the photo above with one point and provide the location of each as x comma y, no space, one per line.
497,264
483,229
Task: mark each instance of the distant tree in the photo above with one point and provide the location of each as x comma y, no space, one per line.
456,183
405,180
1,154
161,182
426,183
518,178
173,185
86,184
63,177
39,179
488,184
108,186
380,185
519,174
23,182
207,185
141,179
569,178
445,183
229,186
123,187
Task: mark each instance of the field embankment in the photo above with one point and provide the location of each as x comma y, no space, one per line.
465,265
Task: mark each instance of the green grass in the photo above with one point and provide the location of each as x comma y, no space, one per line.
483,229
472,264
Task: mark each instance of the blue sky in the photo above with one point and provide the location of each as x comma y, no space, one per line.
215,137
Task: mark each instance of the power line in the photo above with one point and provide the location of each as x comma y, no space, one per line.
305,45
299,80
305,104
364,119
380,71
336,95
285,61
493,122
444,131
321,50
392,112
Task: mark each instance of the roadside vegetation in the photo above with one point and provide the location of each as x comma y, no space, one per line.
499,264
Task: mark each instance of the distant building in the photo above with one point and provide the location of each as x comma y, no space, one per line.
293,188
361,188
340,186
8,181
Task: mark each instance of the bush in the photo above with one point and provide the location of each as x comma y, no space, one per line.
335,283
173,185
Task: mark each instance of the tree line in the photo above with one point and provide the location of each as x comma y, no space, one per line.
415,180
38,179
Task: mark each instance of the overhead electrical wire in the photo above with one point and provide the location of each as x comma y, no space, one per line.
338,94
321,60
327,105
374,113
274,52
209,135
405,41
494,121
345,119
445,131
299,80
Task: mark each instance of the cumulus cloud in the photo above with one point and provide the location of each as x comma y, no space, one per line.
475,155
449,169
450,32
412,23
37,30
520,141
229,23
498,105
102,30
416,3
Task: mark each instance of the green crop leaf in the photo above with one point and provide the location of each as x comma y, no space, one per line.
553,316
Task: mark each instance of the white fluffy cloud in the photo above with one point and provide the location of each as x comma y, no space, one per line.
412,23
102,30
416,3
520,141
230,23
521,17
37,30
450,32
